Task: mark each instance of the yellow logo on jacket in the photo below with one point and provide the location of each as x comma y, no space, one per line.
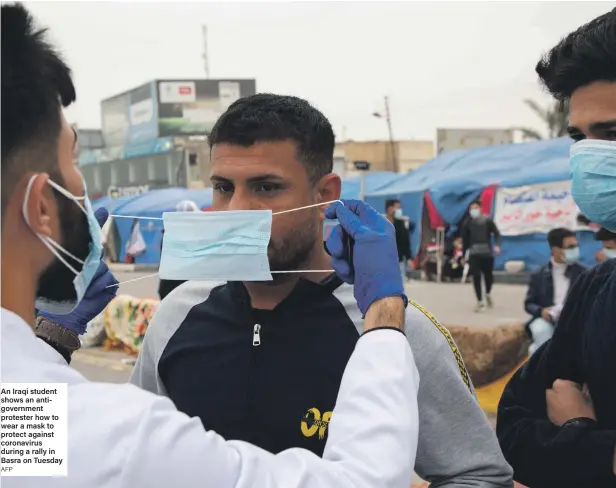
314,422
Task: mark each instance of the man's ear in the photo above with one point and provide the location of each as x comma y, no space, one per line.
41,204
330,188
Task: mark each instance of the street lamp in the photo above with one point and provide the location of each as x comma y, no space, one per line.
387,118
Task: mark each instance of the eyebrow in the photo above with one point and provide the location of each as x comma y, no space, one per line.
603,125
595,127
254,179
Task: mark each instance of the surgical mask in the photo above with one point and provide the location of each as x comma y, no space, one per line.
89,266
219,246
609,253
572,255
398,213
593,186
475,212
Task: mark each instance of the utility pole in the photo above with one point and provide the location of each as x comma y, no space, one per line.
206,61
392,144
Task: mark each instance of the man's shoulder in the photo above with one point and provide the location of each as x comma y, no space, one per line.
541,270
431,340
174,308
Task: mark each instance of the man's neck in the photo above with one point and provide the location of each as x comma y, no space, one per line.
390,218
268,296
18,289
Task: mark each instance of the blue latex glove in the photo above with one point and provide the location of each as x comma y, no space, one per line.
96,298
374,270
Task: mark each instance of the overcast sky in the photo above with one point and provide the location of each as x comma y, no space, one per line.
462,64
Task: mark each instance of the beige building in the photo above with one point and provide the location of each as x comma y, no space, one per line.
409,155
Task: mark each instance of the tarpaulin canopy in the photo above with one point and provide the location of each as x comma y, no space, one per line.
454,178
152,205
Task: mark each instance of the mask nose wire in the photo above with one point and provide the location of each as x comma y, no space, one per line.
273,272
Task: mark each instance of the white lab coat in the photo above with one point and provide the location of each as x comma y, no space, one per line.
123,437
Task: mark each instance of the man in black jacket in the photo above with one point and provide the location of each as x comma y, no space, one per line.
393,212
557,417
550,284
477,234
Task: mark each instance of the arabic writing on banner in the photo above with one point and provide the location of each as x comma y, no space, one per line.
535,208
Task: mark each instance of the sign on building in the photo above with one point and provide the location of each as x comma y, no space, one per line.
126,191
536,209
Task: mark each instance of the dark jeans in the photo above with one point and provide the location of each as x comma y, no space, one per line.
482,264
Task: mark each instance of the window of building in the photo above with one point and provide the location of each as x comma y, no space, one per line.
132,173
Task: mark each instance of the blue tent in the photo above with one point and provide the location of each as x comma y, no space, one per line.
351,187
455,178
150,206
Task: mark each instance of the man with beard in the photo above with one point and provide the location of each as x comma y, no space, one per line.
262,361
118,435
557,416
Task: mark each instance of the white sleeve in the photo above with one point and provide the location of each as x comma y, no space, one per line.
372,438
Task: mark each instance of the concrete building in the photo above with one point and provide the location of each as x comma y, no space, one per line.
452,139
409,154
155,135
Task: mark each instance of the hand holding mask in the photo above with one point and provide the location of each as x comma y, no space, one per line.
369,259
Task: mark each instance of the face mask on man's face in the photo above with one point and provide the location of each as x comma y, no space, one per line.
63,284
56,282
475,212
593,185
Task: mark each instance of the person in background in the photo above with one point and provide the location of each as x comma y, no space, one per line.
404,227
557,416
550,284
454,260
608,240
477,234
167,286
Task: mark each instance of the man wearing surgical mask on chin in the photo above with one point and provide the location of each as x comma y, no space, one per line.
121,436
557,417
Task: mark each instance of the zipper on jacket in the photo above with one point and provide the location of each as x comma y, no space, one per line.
256,335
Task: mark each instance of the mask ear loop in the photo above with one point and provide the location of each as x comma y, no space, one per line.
52,245
273,272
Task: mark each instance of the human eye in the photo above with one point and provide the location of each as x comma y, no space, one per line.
268,187
223,187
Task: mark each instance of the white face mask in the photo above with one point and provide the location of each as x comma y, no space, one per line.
89,266
219,246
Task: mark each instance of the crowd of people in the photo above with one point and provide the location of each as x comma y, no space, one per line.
312,376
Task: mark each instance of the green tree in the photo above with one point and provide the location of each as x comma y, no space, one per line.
555,116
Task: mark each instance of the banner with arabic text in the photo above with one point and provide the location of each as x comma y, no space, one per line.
535,208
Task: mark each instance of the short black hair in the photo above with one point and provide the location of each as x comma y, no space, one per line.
390,203
36,84
604,234
474,202
581,58
557,236
267,117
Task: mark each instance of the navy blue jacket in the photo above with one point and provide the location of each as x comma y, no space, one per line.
540,292
582,350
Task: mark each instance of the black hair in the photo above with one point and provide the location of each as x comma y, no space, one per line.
474,202
581,58
556,237
604,234
266,117
390,203
36,84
